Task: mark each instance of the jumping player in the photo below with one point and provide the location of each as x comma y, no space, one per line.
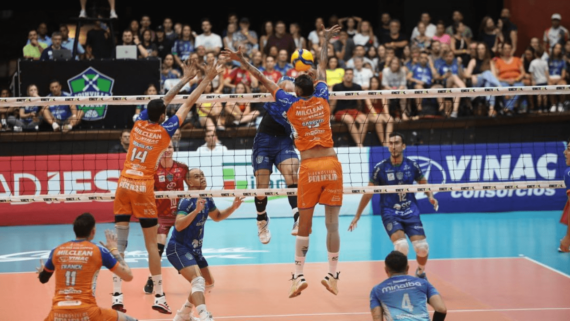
76,265
273,145
400,213
150,137
170,176
184,248
565,242
320,177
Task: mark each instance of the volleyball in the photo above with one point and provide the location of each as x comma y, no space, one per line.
302,60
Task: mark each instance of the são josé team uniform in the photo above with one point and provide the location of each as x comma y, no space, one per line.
168,179
135,191
320,179
76,265
399,211
185,247
403,297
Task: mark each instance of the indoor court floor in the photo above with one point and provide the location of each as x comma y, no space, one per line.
497,266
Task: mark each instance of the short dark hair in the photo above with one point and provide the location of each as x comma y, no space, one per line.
155,109
54,80
394,134
83,225
205,19
349,69
56,34
305,83
396,262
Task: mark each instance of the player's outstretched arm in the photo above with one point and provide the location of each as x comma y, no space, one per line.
363,202
122,270
324,59
190,71
218,215
238,56
438,305
429,194
211,72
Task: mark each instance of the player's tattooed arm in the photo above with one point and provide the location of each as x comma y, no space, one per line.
238,56
323,59
123,270
190,70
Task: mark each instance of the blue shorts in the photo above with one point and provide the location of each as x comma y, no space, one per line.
181,256
410,224
270,150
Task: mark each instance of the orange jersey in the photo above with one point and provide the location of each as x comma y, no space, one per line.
147,144
310,118
169,179
76,265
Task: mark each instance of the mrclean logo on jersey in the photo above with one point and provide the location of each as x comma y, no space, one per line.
91,83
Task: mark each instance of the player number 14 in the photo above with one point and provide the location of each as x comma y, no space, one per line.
140,155
406,303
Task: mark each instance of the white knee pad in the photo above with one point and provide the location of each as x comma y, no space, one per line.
421,247
198,284
401,246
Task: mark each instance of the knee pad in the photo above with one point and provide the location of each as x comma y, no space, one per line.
401,245
122,237
421,247
198,284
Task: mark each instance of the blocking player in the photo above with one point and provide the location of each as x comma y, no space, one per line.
170,176
273,145
150,136
320,177
76,265
404,297
400,212
184,248
565,242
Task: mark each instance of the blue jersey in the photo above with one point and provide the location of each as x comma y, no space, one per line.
278,115
385,173
453,68
30,109
411,65
283,70
170,125
194,233
183,49
422,73
567,180
438,63
403,297
555,66
60,112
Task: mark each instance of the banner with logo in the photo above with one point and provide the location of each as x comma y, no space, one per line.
453,164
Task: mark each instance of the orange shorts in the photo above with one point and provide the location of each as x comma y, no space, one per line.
135,197
340,114
320,181
94,313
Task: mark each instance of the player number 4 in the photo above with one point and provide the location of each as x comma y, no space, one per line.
406,303
140,155
70,278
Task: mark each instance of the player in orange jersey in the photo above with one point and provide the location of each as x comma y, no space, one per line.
320,177
150,137
76,265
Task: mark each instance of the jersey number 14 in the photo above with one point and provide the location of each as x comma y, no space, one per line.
140,155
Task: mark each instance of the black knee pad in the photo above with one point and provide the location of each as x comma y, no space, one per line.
122,218
260,205
148,222
292,199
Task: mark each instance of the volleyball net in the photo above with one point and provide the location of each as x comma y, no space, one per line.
483,174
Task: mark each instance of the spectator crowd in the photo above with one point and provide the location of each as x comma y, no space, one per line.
435,55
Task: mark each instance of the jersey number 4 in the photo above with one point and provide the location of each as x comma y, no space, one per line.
407,303
140,155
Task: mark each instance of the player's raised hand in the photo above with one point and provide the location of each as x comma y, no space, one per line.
233,55
237,202
200,203
41,268
111,239
329,33
353,224
190,68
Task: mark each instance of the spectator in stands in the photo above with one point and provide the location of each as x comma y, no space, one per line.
567,60
460,44
61,117
29,116
48,53
232,19
414,58
480,71
344,47
5,112
184,46
83,13
539,77
168,70
67,42
88,56
145,25
382,52
553,35
211,41
281,40
361,75
295,31
557,76
283,65
372,55
422,75
394,78
99,38
472,51
352,25
378,114
488,34
359,52
527,58
241,112
228,40
314,39
135,27
509,28
430,27
335,74
167,26
245,37
150,91
212,144
178,30
131,39
396,40
240,75
535,44
457,17
421,40
440,34
385,19
209,113
436,54
510,72
451,72
270,71
268,30
123,145
42,34
365,36
163,44
257,61
348,111
148,44
34,49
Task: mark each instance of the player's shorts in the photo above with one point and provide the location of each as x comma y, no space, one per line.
165,223
93,313
135,197
339,115
320,181
181,256
410,224
269,150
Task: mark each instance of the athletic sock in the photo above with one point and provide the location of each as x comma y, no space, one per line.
157,281
293,199
262,216
160,249
117,282
186,308
301,248
202,311
296,216
333,261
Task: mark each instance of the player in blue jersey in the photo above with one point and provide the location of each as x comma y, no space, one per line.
400,212
273,146
184,250
565,242
404,297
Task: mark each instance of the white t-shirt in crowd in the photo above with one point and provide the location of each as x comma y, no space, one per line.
362,77
430,31
314,37
538,69
209,42
362,40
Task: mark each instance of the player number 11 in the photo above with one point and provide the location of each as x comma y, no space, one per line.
70,278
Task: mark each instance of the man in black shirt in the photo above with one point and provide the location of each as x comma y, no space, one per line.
348,111
99,38
123,145
395,40
163,44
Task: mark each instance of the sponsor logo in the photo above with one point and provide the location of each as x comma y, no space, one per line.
91,83
69,291
119,98
403,286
